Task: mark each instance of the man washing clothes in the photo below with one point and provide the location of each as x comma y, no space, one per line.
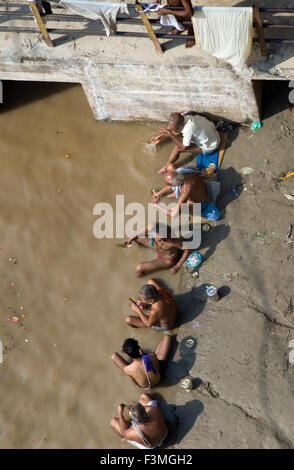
145,370
199,136
156,309
147,428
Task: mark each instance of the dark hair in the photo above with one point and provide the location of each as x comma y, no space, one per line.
138,413
131,348
149,291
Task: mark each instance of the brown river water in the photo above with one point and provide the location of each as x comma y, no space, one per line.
59,388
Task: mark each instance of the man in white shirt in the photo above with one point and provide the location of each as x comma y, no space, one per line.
199,136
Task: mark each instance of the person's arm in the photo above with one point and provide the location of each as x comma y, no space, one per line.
123,424
162,192
152,317
180,263
129,241
188,10
176,209
174,137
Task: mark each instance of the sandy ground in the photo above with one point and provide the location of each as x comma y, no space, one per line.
242,341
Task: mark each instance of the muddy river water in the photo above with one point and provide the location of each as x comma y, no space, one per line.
68,290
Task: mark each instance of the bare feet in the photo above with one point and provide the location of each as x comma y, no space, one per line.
175,32
190,43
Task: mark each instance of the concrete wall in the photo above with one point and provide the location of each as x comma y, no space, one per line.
152,92
136,91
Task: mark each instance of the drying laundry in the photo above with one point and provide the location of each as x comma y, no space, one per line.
106,11
224,32
165,20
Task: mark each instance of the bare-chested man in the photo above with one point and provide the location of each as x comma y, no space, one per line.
186,188
161,308
145,370
181,15
199,135
169,250
147,429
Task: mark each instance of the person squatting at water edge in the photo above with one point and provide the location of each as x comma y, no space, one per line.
199,136
147,428
145,370
187,188
169,250
161,308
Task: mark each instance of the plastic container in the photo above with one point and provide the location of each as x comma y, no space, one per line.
194,260
212,293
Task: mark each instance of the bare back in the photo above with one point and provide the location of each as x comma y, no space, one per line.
166,308
155,427
136,370
194,188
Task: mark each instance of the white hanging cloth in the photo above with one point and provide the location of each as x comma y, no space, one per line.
226,33
105,11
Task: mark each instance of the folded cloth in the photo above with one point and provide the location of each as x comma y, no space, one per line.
106,11
165,20
225,32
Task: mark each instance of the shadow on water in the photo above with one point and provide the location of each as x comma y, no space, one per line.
180,419
17,94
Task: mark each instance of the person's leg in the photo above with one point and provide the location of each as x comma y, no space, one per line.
190,42
118,360
135,322
114,423
163,349
155,265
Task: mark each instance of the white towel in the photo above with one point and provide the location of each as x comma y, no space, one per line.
224,32
165,20
105,11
